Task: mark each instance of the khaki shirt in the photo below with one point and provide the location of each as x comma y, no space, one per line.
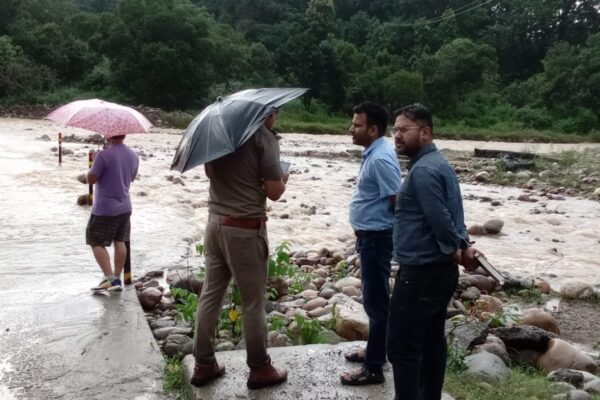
236,180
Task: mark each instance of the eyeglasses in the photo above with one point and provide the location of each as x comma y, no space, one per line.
404,129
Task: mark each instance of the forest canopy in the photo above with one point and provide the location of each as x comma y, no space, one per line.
534,63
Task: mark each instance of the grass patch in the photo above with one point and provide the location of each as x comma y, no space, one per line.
174,383
522,384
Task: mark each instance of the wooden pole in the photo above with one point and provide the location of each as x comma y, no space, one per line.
59,148
127,268
91,187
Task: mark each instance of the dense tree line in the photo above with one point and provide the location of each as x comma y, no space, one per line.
532,63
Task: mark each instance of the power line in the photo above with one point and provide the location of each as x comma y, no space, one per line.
459,11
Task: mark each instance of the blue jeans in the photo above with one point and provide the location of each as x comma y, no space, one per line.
417,344
375,251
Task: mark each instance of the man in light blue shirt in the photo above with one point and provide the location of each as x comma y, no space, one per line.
372,218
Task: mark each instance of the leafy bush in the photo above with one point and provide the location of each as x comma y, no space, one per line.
186,305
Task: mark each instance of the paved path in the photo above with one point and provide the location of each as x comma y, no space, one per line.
313,374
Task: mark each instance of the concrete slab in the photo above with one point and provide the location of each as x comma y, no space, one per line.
313,374
105,350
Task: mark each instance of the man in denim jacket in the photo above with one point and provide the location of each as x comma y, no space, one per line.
430,239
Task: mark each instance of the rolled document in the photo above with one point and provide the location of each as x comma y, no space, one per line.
490,269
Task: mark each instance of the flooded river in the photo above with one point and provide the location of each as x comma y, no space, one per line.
42,228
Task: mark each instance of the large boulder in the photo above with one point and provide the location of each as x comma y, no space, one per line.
524,337
569,376
561,354
352,320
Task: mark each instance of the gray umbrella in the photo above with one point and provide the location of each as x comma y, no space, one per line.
226,124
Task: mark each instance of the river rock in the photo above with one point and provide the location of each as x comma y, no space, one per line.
82,178
350,291
523,175
278,284
186,280
566,375
477,230
577,290
348,281
524,337
592,387
484,284
352,320
83,200
178,345
278,339
597,192
327,293
482,176
162,333
486,366
318,312
315,303
494,345
573,395
309,294
561,354
488,303
542,285
470,294
493,226
539,318
150,297
464,335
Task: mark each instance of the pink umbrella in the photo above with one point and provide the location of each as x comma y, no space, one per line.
108,119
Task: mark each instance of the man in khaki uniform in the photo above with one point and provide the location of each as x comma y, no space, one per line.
237,246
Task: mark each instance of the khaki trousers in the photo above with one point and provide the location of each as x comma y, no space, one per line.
243,254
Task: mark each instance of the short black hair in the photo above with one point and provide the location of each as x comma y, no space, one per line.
376,115
416,112
118,137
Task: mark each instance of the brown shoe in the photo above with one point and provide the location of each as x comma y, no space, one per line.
204,373
266,375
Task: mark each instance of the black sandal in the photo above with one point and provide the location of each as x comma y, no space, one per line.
356,355
361,376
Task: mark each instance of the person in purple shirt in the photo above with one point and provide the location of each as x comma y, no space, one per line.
112,172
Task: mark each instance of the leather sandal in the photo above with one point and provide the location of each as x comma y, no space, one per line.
266,375
358,355
361,376
204,373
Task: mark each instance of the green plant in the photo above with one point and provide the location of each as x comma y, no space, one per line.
277,324
186,305
279,262
173,382
200,249
299,282
507,316
230,317
456,359
309,330
341,270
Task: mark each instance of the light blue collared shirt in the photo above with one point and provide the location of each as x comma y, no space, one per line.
378,179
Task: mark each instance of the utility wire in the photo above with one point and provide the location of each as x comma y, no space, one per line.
459,11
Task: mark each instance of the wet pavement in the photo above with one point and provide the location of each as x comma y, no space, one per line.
313,374
57,340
